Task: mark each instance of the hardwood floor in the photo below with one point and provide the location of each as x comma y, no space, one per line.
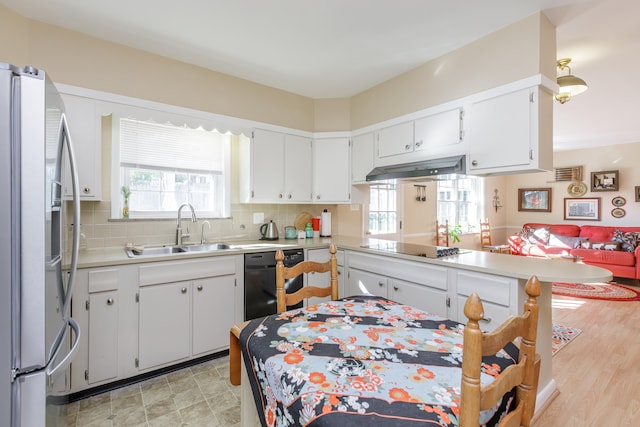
598,373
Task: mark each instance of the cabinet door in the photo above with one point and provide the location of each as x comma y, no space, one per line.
213,312
84,127
423,297
297,163
163,330
363,282
267,166
395,140
103,336
439,134
331,171
362,154
499,132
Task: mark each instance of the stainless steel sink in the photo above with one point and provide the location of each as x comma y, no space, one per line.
137,252
207,247
154,251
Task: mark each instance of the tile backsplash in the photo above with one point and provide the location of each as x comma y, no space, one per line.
99,231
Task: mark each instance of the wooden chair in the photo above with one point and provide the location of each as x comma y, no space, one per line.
283,299
283,273
442,233
485,240
476,397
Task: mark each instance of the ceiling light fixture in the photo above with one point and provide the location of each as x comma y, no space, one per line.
569,85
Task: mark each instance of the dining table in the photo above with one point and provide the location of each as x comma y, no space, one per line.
361,360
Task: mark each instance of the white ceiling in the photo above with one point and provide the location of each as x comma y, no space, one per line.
337,48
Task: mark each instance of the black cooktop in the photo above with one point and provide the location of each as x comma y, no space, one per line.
411,249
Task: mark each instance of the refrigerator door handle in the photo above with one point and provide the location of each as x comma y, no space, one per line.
64,363
64,135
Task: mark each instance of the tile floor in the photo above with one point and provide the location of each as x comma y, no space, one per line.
200,395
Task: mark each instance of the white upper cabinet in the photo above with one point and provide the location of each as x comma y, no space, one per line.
395,140
440,134
331,171
85,129
511,132
267,167
275,168
298,164
362,155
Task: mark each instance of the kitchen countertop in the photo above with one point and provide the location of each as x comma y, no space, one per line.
485,262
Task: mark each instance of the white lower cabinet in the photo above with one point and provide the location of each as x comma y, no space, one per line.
497,293
365,282
211,307
414,283
163,331
103,336
179,320
419,296
139,317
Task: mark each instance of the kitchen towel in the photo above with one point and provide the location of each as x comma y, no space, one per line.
325,224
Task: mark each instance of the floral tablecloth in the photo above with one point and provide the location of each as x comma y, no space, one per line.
362,360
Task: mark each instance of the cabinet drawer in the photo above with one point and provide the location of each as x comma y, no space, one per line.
496,289
174,271
322,255
103,280
494,314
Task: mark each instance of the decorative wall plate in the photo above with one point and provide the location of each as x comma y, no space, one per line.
618,201
618,212
577,189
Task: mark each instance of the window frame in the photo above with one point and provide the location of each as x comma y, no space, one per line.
117,201
467,226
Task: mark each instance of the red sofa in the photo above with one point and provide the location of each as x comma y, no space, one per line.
615,248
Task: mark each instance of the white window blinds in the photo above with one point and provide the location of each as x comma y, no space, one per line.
153,145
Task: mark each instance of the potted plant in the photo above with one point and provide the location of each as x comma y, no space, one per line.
454,233
125,205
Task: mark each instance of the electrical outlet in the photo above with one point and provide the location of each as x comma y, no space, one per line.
258,217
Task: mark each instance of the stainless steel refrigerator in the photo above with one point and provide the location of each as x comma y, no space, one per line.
38,258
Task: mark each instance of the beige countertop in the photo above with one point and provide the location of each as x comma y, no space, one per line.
519,267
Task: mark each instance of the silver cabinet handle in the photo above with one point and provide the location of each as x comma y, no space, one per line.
280,196
419,143
486,319
407,147
289,196
183,290
199,287
86,190
381,284
318,197
395,288
109,301
474,163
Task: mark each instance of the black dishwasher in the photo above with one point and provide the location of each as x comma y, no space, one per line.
260,282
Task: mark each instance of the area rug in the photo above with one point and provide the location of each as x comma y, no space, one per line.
561,336
604,291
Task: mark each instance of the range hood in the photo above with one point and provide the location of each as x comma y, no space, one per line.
425,168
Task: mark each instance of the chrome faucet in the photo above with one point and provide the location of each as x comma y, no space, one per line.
179,235
202,239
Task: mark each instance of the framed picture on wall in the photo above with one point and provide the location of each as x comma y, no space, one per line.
534,199
637,193
584,209
604,181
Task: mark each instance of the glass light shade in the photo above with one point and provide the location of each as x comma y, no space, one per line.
571,85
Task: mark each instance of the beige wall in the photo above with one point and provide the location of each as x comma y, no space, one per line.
521,50
623,158
79,60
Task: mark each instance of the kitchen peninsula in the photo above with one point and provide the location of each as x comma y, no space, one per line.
438,284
